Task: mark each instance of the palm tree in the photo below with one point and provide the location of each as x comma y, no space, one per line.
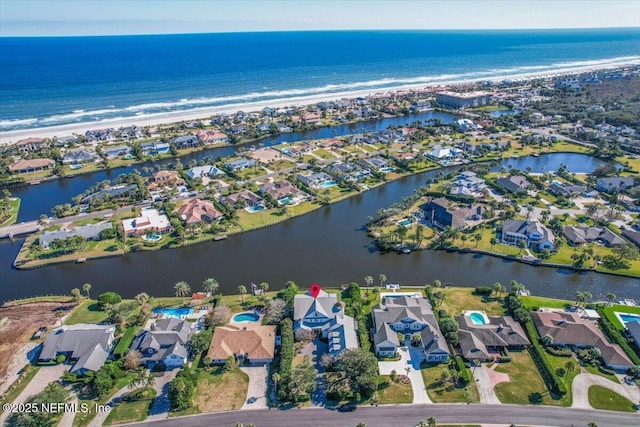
570,366
498,289
611,297
86,288
587,298
59,315
210,285
382,278
421,423
141,298
431,421
368,280
242,290
182,289
264,287
579,297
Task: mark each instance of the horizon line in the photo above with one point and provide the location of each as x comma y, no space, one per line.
336,30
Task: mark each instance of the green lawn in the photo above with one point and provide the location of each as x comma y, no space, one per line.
14,207
278,165
603,398
321,152
559,362
459,299
235,304
526,385
596,371
131,411
220,391
393,393
610,313
86,312
446,393
84,418
531,302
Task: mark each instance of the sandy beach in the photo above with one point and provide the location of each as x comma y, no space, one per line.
153,119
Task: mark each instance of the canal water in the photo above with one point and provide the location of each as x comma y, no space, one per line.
39,199
328,246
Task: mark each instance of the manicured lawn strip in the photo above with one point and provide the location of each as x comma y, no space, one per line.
559,362
11,396
526,385
459,299
131,411
92,249
439,393
393,393
14,207
594,370
603,398
219,390
531,302
609,313
235,304
125,341
87,312
84,418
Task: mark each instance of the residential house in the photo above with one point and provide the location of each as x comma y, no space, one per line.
87,346
440,153
632,235
442,213
375,163
582,235
112,192
251,343
514,183
89,232
310,118
203,171
535,234
633,330
131,132
149,220
315,179
154,148
407,315
463,100
347,171
164,343
240,164
568,190
31,165
81,155
100,135
323,313
283,189
486,341
186,141
196,211
31,144
467,183
244,198
616,183
212,137
165,180
570,329
118,151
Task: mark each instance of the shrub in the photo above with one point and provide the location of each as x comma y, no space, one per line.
483,290
562,352
462,369
605,370
108,298
61,358
547,372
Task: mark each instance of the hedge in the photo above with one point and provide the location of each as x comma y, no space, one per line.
464,373
537,352
363,333
605,370
562,352
286,355
125,342
615,335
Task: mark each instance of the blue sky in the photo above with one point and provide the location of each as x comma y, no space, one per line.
93,17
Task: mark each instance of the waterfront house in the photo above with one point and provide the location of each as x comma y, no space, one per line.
463,100
89,232
31,165
407,315
80,155
315,179
323,313
130,132
100,135
375,163
31,144
186,141
203,171
86,346
514,183
633,330
165,342
570,329
467,183
615,184
250,343
310,118
442,213
212,137
486,340
113,192
568,190
165,180
535,234
149,220
582,235
118,151
440,153
240,164
244,198
196,211
347,171
282,189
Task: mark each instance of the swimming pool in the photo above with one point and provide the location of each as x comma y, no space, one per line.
387,169
173,312
327,184
627,317
478,317
405,223
245,317
253,209
285,200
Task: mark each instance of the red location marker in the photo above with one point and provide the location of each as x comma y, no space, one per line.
315,290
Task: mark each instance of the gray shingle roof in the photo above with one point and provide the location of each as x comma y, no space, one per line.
88,232
90,344
169,337
385,333
501,331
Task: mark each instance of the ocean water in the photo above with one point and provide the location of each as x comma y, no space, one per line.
62,80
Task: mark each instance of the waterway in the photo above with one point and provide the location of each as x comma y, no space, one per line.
39,199
328,246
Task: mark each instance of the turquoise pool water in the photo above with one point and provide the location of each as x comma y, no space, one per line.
477,318
245,317
328,184
285,200
626,317
256,208
405,223
387,169
173,312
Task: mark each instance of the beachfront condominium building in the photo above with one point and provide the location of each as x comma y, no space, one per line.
463,100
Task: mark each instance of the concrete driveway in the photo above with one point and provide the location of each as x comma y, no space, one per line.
582,382
417,382
485,386
160,406
257,391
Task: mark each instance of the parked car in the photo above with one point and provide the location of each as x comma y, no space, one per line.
347,407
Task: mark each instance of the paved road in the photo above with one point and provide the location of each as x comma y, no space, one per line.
582,382
410,415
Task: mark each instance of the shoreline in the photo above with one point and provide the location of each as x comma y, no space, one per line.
171,117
